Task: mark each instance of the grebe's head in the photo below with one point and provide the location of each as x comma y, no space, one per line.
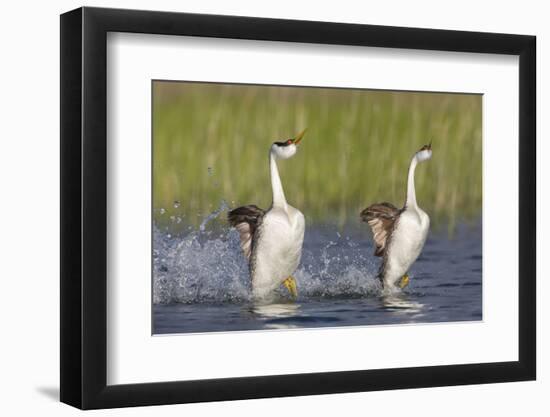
287,148
424,153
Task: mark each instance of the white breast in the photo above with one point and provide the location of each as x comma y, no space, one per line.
406,243
278,250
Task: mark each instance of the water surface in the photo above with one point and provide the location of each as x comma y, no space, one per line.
201,284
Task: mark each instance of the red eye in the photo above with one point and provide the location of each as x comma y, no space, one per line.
288,142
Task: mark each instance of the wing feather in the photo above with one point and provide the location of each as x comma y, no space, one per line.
381,218
246,220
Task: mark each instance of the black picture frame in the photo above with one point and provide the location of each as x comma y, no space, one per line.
84,207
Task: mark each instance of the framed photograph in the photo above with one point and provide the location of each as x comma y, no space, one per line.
257,208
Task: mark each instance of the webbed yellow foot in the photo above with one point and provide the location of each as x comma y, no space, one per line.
290,284
404,281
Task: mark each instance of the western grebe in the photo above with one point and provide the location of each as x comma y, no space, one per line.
399,234
272,240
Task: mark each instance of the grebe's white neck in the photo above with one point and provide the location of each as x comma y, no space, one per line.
279,199
422,155
411,192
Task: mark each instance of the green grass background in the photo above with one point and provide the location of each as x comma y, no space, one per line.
211,143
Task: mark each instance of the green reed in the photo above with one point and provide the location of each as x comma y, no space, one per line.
211,142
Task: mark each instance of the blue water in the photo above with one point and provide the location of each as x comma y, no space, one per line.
201,284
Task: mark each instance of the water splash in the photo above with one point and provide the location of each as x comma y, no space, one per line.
206,266
214,215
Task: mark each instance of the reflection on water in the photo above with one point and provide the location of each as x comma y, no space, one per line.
201,284
272,313
275,310
401,303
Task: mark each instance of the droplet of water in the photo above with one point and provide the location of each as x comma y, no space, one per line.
162,211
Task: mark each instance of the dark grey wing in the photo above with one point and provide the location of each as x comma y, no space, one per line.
381,218
246,220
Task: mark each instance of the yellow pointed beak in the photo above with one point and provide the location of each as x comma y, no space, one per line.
290,284
299,137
